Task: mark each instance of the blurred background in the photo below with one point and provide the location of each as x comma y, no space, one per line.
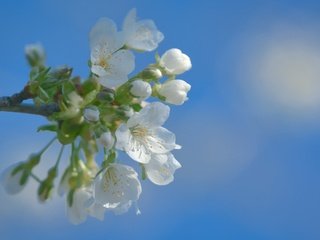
250,131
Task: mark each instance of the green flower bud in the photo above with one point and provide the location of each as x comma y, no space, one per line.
151,73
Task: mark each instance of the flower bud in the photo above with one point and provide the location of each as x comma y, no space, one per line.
174,91
107,140
151,73
175,62
91,114
141,89
35,54
11,179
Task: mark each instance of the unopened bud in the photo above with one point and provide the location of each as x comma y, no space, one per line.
151,73
91,114
35,54
141,89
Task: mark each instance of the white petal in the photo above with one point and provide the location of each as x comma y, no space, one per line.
77,213
122,208
144,36
141,35
138,150
153,115
104,34
98,70
113,80
121,61
64,183
97,211
161,168
130,19
11,183
161,140
122,135
118,183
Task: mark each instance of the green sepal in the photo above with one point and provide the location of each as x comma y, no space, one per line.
89,98
70,197
143,172
68,131
24,177
48,127
136,107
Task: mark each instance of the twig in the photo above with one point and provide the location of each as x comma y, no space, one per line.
14,104
42,110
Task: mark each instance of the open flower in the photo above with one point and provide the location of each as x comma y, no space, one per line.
161,168
175,62
140,35
117,187
10,181
143,135
175,91
109,62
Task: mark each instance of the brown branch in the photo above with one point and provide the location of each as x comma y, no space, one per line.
42,110
14,104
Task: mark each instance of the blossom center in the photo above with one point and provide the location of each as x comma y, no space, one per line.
140,132
103,63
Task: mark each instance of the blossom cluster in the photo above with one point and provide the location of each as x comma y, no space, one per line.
108,111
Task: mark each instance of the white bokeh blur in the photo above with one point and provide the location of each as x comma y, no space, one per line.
279,69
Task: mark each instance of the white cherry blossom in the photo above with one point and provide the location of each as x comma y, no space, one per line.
161,168
140,35
143,135
175,91
109,62
11,183
175,62
117,187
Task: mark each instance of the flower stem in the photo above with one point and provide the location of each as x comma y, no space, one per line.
35,177
47,146
59,156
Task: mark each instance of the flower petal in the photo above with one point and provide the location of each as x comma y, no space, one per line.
121,61
77,213
151,116
161,140
138,150
141,35
122,135
104,34
113,80
130,19
97,211
117,184
161,168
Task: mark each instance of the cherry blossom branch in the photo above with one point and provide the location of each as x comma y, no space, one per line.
14,104
42,110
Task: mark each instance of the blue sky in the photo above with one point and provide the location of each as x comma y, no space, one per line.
250,131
